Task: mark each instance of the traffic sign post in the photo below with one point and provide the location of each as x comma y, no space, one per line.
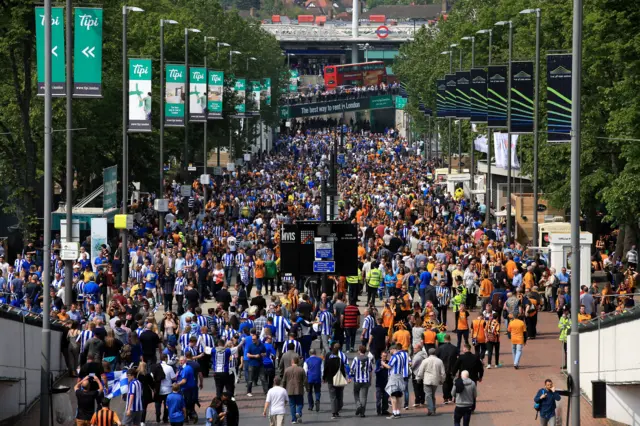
58,79
324,250
382,31
87,53
324,266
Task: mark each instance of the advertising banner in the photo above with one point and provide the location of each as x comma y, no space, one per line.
501,150
87,53
293,80
441,98
478,94
497,97
522,97
310,110
175,80
98,237
110,183
240,89
215,94
58,78
451,108
265,94
559,73
462,94
255,97
197,94
140,100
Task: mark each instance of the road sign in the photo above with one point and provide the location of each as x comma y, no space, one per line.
75,230
110,188
382,31
191,168
185,190
324,266
69,251
324,250
58,86
205,179
87,53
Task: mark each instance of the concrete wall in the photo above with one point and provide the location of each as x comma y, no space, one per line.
20,359
613,353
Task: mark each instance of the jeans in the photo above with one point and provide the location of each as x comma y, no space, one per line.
462,413
351,338
360,391
228,273
324,343
168,302
421,292
430,397
548,422
406,391
442,314
382,400
295,404
336,395
491,346
259,282
190,398
256,373
305,344
269,375
314,390
516,350
552,303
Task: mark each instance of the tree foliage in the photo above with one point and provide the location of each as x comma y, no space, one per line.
610,173
97,143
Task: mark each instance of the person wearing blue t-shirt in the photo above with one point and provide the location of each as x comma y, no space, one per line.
425,280
268,362
176,407
186,378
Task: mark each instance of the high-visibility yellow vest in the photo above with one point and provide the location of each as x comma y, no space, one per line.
374,277
354,279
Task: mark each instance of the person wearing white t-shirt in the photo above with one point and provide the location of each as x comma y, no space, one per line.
165,388
276,403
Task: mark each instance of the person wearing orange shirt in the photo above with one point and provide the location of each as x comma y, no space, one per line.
518,333
486,288
479,336
429,337
510,268
462,329
402,336
529,279
583,316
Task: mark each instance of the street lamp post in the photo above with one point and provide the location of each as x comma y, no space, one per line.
68,264
206,118
161,186
125,140
487,201
536,123
186,100
509,148
231,53
289,55
576,81
459,119
218,44
472,148
450,53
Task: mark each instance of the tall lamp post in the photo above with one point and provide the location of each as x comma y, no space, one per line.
459,119
161,186
218,44
186,100
125,140
231,53
487,201
576,128
450,53
472,149
509,148
536,123
289,55
206,118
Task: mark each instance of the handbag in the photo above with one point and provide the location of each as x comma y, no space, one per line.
339,380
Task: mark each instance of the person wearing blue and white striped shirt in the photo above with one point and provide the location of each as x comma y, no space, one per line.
444,296
297,347
134,407
227,261
398,367
360,372
367,327
85,335
282,326
325,320
178,291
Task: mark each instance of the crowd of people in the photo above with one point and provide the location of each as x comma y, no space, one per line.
436,293
317,93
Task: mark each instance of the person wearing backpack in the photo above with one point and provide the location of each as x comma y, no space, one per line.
465,394
545,403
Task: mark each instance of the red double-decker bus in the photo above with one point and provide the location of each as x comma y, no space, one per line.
362,74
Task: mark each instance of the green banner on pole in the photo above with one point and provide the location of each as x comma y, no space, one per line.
463,100
441,98
240,89
522,97
332,107
87,53
255,96
197,94
110,187
497,97
215,94
265,95
400,102
293,80
175,80
58,85
139,95
452,108
559,101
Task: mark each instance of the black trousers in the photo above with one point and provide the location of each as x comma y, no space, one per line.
462,413
491,347
371,295
532,323
161,400
447,386
205,364
353,292
224,381
442,314
168,302
418,390
180,303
